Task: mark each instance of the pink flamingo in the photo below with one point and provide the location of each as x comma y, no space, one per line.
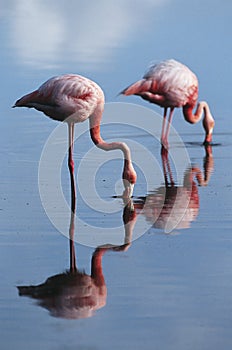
171,84
73,99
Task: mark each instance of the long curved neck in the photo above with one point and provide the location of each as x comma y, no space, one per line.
208,121
202,177
96,267
129,174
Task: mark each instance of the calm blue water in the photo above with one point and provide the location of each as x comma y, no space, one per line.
166,290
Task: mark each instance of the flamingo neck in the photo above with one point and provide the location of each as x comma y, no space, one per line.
129,220
129,174
96,267
193,117
208,121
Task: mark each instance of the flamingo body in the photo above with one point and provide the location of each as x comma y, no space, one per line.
65,96
171,84
175,82
73,99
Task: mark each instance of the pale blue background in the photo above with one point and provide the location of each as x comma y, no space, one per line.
169,292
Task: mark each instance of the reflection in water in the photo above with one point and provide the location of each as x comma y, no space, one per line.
74,294
173,206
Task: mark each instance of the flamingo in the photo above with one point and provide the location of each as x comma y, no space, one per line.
73,99
171,84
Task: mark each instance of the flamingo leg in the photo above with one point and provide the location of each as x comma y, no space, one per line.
71,165
73,197
167,171
168,124
164,155
73,267
163,126
170,172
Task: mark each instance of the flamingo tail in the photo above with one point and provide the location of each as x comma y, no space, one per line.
27,100
137,88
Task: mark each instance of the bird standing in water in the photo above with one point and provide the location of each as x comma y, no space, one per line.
171,84
73,99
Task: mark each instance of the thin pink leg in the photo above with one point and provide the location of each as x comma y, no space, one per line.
169,123
163,126
73,267
170,172
73,197
71,166
164,155
167,171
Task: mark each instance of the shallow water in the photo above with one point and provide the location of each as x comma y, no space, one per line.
168,282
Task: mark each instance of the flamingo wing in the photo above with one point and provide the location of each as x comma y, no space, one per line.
64,96
167,84
174,81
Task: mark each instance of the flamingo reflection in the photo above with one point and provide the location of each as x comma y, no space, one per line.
172,206
75,294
